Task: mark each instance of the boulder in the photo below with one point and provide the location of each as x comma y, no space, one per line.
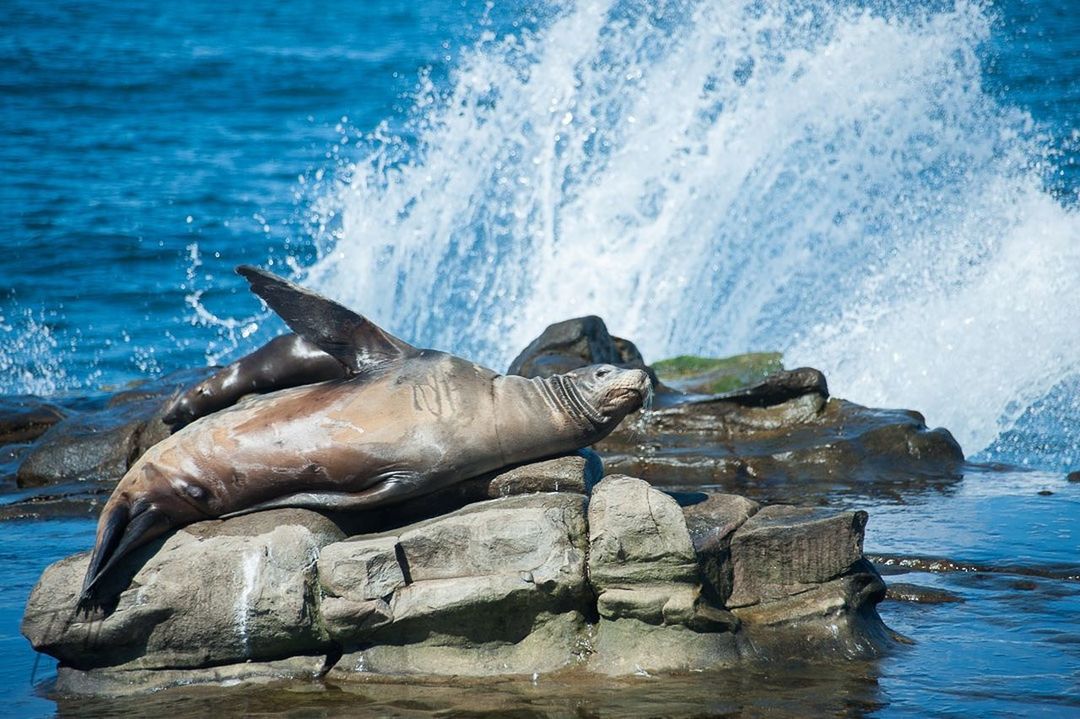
214,592
574,343
637,535
523,584
784,550
92,447
643,567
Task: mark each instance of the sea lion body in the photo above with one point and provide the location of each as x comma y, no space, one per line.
415,428
403,422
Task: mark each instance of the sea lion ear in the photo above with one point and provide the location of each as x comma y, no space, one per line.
350,338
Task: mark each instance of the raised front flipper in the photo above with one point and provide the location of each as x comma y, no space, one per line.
395,488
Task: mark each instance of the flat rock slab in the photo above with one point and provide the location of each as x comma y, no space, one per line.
804,450
460,575
783,550
575,474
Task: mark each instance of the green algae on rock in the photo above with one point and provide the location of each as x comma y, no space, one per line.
713,375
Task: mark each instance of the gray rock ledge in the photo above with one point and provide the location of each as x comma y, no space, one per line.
622,583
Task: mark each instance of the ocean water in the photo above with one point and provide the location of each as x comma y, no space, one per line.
886,190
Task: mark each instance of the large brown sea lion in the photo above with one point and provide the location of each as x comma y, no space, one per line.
402,422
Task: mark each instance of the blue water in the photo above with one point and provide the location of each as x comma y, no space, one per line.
886,190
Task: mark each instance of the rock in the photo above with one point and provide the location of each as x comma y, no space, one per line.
637,535
99,445
778,388
361,569
575,343
918,594
803,450
836,617
783,550
24,418
214,592
575,473
712,523
497,587
710,375
642,563
76,683
523,584
625,647
1074,476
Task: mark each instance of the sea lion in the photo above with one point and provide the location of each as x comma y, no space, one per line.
285,361
291,361
402,423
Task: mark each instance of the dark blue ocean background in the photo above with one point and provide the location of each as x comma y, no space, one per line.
886,190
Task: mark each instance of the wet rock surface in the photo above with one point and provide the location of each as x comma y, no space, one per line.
525,583
24,418
804,449
63,459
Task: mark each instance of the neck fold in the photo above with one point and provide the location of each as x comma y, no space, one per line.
562,392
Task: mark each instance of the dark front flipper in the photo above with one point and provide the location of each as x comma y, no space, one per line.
395,488
286,361
355,341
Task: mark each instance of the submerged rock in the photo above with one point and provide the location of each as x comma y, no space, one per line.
624,582
24,418
98,444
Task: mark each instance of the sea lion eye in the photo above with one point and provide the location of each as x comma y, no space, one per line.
603,372
195,491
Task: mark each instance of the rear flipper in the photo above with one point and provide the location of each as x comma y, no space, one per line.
285,361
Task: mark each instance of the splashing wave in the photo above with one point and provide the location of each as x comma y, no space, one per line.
718,177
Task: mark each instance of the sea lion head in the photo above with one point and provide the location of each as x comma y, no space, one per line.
608,393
